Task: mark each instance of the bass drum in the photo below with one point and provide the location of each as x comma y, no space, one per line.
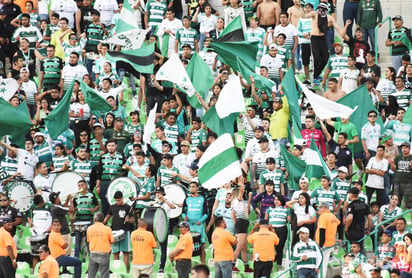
23,193
157,223
66,183
176,194
127,186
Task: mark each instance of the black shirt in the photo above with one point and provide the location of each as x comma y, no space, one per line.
60,212
11,213
119,214
360,211
344,154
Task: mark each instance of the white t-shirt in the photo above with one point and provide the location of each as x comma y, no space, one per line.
349,79
73,72
376,181
207,24
65,8
45,184
182,162
30,88
27,163
106,9
290,31
301,214
173,26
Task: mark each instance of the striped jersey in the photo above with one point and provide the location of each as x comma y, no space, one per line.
276,176
83,168
95,149
111,167
132,162
94,35
284,53
396,35
187,36
131,128
336,63
248,8
171,132
31,33
401,131
304,26
403,98
44,153
198,138
341,187
52,68
83,203
329,196
58,161
277,216
164,173
10,165
386,214
156,11
258,35
311,250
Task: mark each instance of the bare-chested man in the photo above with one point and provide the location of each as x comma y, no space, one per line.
320,53
268,13
295,12
333,93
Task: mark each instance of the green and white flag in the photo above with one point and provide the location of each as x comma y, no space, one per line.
294,166
8,87
150,125
315,165
219,164
174,71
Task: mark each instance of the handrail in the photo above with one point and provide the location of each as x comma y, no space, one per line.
376,36
375,231
294,264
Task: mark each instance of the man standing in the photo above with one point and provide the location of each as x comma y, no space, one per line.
279,121
182,253
402,166
222,241
9,213
195,212
326,233
8,250
120,220
369,15
57,247
312,131
186,35
143,243
50,70
398,49
376,168
100,238
110,167
370,135
264,242
49,267
307,254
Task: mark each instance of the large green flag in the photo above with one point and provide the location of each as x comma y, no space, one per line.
233,31
201,76
407,118
294,166
261,83
406,40
127,21
228,53
315,165
217,124
292,94
135,61
360,98
97,104
14,121
58,119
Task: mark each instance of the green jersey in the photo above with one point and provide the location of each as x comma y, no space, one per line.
329,196
132,129
94,34
149,186
31,33
111,167
342,187
285,54
165,174
171,132
83,168
58,161
187,36
10,165
83,203
349,129
198,138
95,149
156,11
52,69
258,35
44,153
276,176
337,63
278,216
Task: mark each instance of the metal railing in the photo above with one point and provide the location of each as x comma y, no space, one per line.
376,37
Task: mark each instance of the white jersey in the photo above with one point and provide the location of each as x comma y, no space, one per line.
173,26
374,180
45,184
182,162
349,79
65,8
106,9
27,163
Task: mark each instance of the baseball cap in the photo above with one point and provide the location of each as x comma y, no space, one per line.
263,140
159,189
343,169
38,134
273,46
388,233
303,230
406,144
53,196
24,68
183,224
278,99
337,43
323,6
185,143
397,17
118,119
134,112
354,190
303,179
97,125
260,128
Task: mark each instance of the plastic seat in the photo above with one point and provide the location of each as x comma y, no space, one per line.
385,274
118,267
23,269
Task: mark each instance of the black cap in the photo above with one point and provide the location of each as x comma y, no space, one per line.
183,224
194,166
263,222
53,196
118,194
397,17
270,160
134,112
263,140
159,189
260,128
354,190
118,119
187,45
167,156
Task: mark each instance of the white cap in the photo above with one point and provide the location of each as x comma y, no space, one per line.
303,230
343,169
38,134
303,179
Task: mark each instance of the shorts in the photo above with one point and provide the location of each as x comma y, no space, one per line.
358,155
241,226
306,53
123,245
199,229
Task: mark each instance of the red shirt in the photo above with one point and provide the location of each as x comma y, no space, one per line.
317,136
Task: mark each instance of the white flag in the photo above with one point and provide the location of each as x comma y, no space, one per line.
230,98
174,71
150,126
325,108
8,87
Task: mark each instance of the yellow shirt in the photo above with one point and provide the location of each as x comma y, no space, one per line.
100,237
186,243
264,242
49,266
143,243
56,243
279,121
56,42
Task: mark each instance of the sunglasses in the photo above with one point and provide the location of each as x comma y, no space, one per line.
4,200
372,116
83,134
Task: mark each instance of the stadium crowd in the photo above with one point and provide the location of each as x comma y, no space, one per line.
120,188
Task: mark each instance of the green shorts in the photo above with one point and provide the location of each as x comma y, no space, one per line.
122,245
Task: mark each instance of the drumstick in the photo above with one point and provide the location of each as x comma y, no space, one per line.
30,196
130,210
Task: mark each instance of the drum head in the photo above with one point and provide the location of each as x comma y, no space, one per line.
158,219
176,194
66,183
23,193
126,185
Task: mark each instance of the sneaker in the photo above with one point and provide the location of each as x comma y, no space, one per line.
359,173
306,82
316,82
248,270
161,270
235,269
